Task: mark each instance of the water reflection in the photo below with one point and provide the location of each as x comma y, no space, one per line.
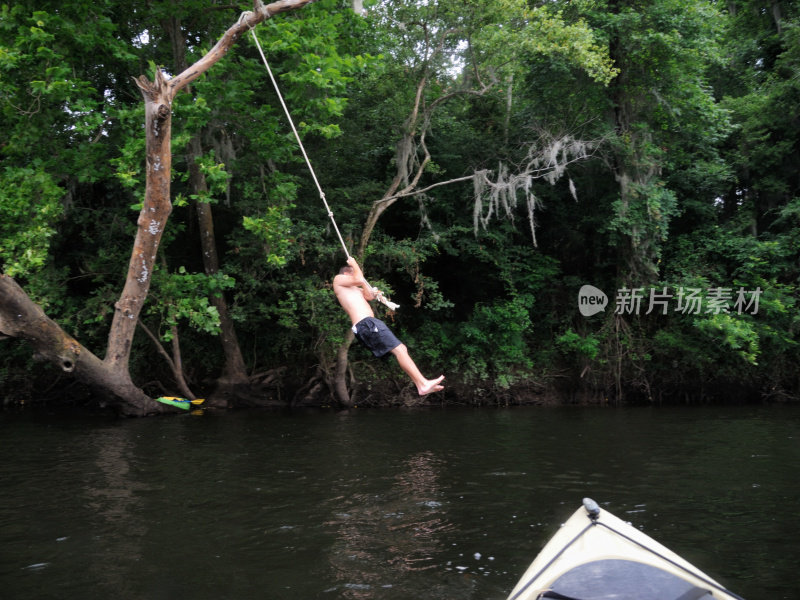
427,522
383,505
112,494
382,537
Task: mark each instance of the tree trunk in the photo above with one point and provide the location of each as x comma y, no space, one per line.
152,218
340,381
633,172
21,317
408,174
234,371
175,361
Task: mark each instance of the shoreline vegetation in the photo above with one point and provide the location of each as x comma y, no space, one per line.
397,393
574,202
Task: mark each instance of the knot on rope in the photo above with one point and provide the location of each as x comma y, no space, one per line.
244,18
258,6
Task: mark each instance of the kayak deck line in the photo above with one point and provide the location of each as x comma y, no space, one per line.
609,558
700,575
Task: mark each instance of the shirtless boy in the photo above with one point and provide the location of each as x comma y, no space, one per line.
353,293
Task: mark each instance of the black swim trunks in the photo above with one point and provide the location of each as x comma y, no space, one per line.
376,336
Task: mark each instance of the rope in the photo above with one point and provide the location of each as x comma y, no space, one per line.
381,298
300,143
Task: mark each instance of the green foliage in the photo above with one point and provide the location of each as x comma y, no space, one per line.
694,182
29,208
644,216
542,30
216,177
272,229
736,334
490,348
185,296
582,346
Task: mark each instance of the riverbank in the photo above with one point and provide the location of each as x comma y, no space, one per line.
399,392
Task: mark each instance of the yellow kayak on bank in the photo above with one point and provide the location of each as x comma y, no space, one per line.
183,403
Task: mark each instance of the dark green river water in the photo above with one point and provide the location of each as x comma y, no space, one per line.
384,504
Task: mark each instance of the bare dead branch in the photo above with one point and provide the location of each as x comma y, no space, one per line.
247,21
436,185
159,348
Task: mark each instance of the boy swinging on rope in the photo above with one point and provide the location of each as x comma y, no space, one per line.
353,292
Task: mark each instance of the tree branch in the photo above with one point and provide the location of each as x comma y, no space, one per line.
176,364
159,348
247,21
406,194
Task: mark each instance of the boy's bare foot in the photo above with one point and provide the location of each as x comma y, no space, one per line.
430,386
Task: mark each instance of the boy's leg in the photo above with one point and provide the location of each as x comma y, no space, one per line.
424,386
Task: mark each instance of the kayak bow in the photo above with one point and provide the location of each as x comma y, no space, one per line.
596,556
